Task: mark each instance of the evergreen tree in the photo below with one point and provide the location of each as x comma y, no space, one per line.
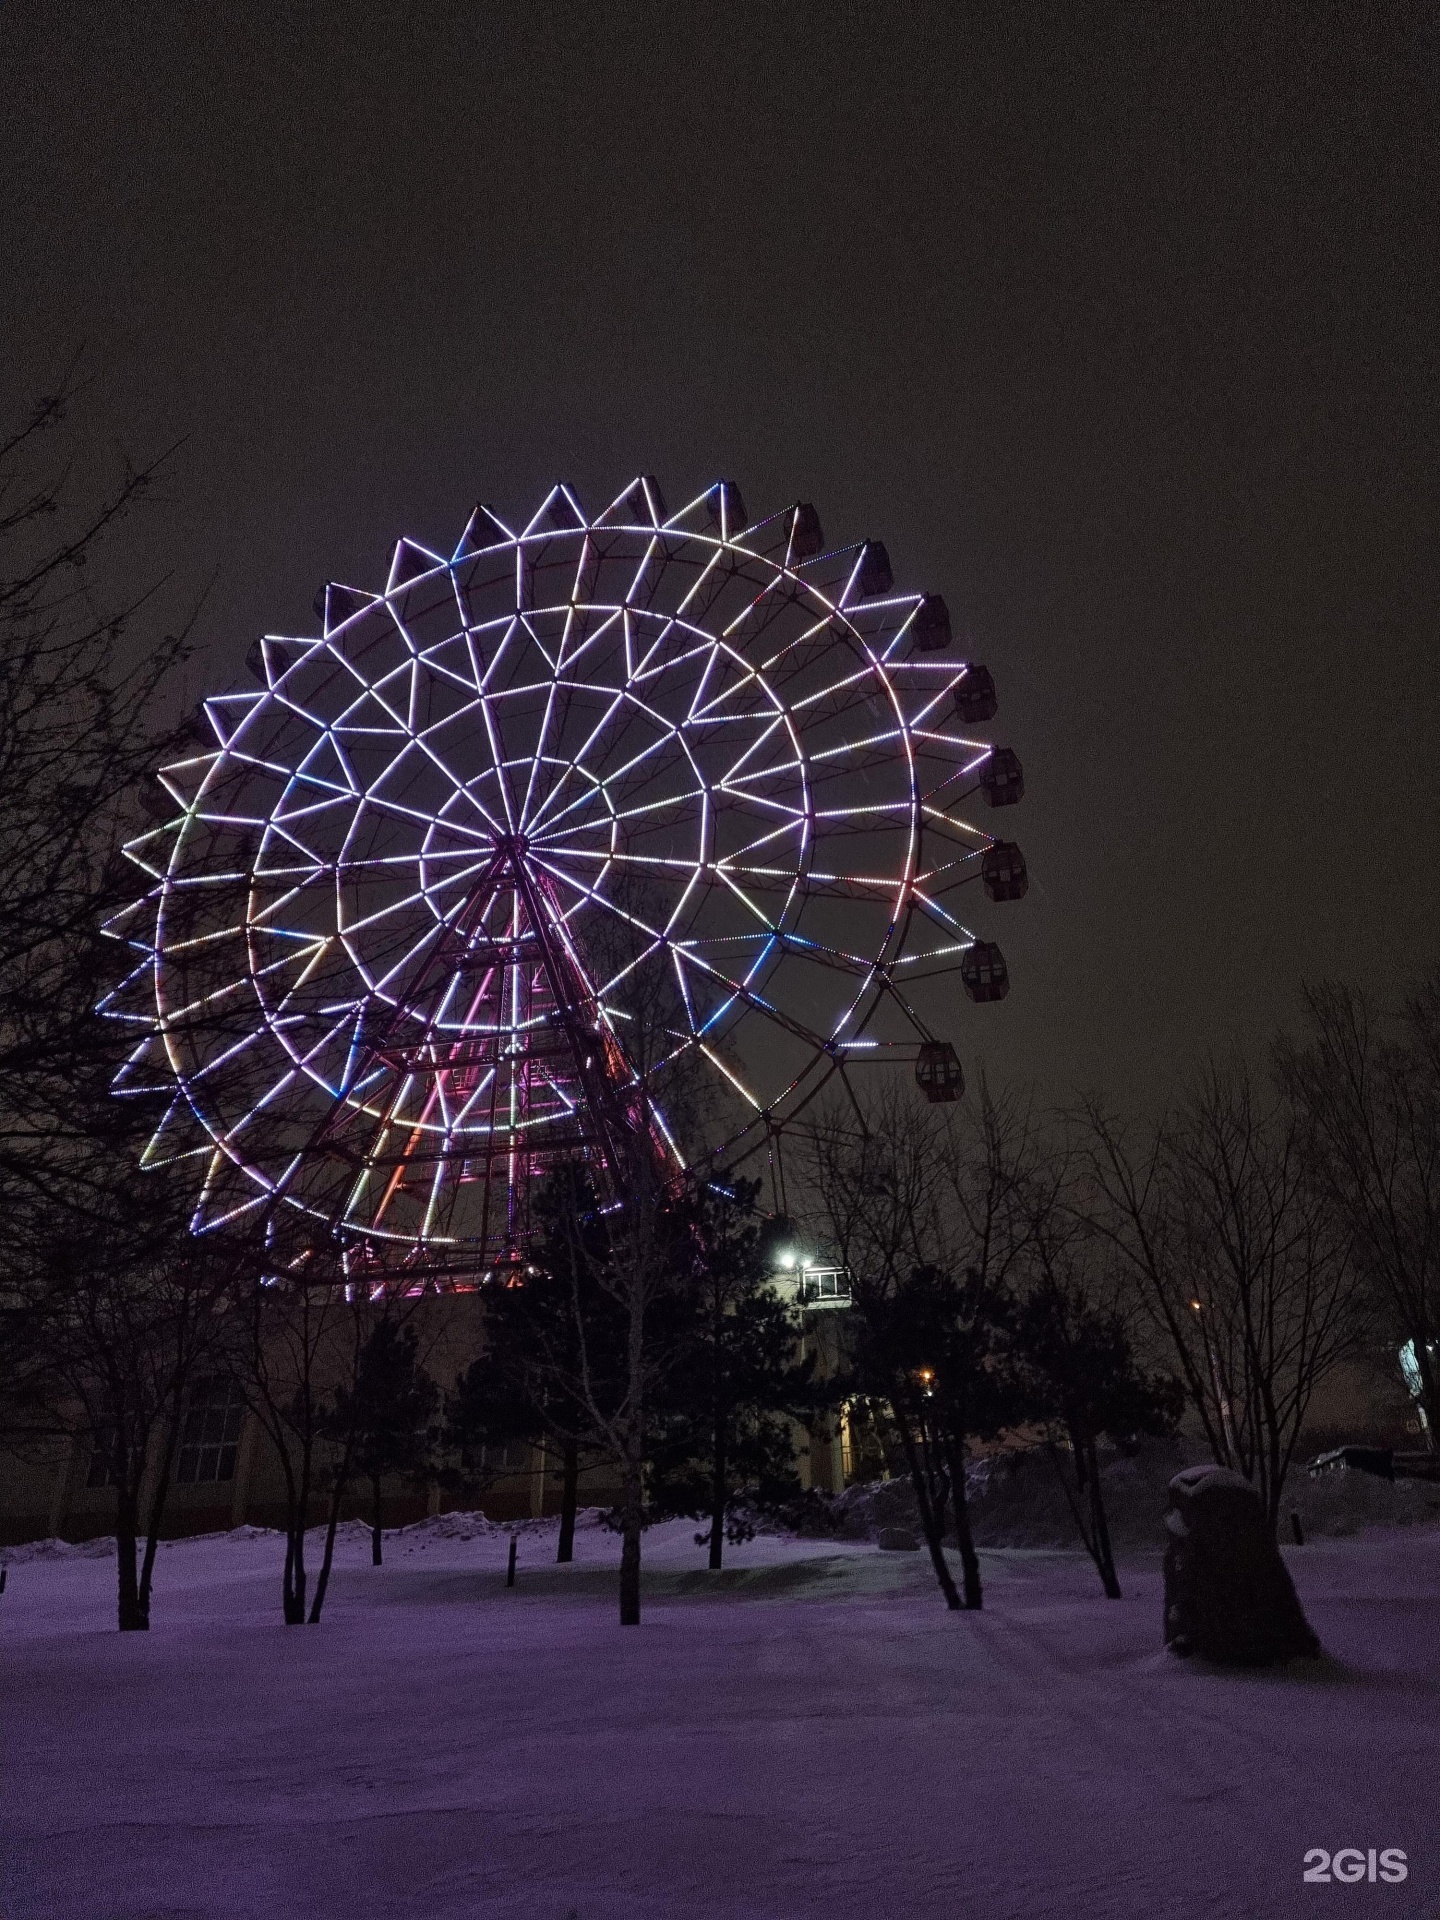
724,1445
390,1411
543,1340
930,1352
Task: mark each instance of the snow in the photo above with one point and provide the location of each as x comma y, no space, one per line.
809,1734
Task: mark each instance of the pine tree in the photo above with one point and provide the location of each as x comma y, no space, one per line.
544,1338
724,1447
391,1410
930,1353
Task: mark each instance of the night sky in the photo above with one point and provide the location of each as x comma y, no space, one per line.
1117,324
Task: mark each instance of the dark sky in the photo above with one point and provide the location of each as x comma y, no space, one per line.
1118,324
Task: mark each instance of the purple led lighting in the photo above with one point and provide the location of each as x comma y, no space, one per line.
471,825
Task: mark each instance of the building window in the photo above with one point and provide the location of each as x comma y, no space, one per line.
505,1456
210,1436
825,1287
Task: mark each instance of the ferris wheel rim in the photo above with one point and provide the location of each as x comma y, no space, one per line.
577,842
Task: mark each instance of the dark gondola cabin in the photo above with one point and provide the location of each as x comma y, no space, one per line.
874,574
806,537
930,629
727,509
975,697
938,1072
983,972
1002,779
1003,871
335,604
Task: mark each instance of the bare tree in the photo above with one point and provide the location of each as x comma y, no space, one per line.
620,1239
1073,1361
133,1308
1369,1090
77,683
371,1385
639,1251
920,1206
625,1271
110,1305
296,1337
1238,1258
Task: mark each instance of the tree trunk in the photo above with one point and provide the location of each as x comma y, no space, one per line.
719,1491
294,1584
132,1618
569,1500
1087,1505
376,1554
931,1511
632,1510
297,1514
157,1514
1100,1527
342,1480
327,1558
964,1539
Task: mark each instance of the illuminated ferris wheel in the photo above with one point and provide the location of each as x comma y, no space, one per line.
490,866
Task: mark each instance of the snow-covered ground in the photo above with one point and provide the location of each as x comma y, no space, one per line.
810,1734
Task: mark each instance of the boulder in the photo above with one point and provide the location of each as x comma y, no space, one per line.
1228,1594
897,1540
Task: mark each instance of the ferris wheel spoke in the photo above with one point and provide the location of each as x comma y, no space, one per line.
788,815
668,732
670,809
735,775
451,666
693,603
728,1073
603,796
591,630
740,989
513,637
576,761
702,697
939,881
848,693
755,854
552,701
674,651
319,791
378,916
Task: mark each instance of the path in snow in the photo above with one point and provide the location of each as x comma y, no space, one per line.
817,1738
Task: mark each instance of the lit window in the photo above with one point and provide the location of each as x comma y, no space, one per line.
822,1285
210,1436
